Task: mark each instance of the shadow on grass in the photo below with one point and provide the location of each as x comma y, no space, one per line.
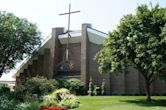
141,102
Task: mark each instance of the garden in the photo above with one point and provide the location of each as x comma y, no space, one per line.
38,93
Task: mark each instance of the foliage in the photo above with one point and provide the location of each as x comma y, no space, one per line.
59,92
38,85
34,105
19,94
139,40
28,106
49,100
62,90
23,106
61,83
18,38
95,90
68,101
90,90
4,88
103,87
61,97
70,104
6,103
76,86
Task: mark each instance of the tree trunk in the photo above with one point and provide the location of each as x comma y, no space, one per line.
1,73
2,70
148,94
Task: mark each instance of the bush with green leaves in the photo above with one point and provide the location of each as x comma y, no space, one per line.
90,88
38,85
75,85
23,106
4,88
61,83
60,97
49,100
66,99
103,87
6,103
95,89
28,106
69,103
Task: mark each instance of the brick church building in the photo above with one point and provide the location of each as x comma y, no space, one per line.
49,61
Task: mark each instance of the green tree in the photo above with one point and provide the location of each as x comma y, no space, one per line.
18,38
139,40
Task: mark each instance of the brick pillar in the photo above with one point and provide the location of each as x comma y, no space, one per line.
46,63
30,71
55,51
34,65
84,55
18,81
26,74
40,65
22,77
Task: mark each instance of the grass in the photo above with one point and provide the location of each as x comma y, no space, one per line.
121,103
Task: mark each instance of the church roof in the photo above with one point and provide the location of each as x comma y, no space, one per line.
95,36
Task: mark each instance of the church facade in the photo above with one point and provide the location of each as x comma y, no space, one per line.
50,61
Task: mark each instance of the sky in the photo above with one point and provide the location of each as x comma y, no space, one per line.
104,15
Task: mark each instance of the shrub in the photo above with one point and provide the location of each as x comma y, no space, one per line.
90,90
28,106
61,97
49,100
66,99
62,90
76,86
38,85
19,94
35,105
6,104
96,90
23,106
69,101
103,87
59,92
4,88
61,83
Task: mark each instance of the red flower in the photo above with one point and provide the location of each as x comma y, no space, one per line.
52,108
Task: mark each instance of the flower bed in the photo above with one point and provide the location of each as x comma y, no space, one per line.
52,108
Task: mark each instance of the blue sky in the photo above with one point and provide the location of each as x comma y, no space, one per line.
104,15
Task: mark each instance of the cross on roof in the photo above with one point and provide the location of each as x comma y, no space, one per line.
68,13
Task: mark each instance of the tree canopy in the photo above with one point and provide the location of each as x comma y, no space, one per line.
18,38
139,40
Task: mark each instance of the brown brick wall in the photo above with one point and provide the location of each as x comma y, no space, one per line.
132,81
117,83
97,78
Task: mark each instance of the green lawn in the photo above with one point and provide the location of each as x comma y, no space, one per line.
121,103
